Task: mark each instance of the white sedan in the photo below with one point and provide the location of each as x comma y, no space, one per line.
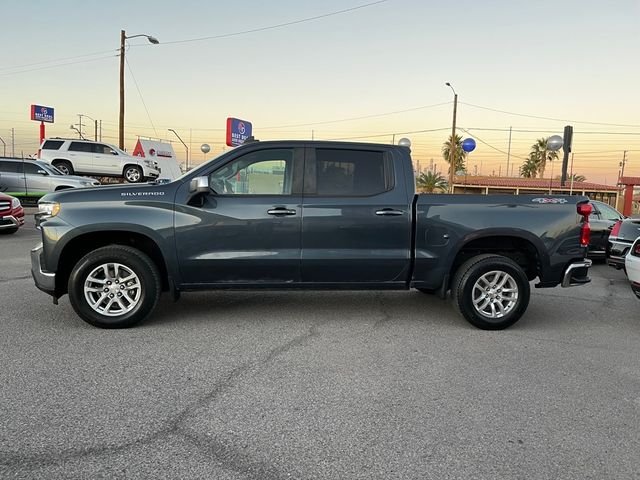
632,264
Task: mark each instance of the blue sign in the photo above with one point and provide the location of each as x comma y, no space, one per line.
42,114
237,131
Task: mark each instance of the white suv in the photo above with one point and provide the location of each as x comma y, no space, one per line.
85,157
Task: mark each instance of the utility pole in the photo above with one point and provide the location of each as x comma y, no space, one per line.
13,142
622,163
452,143
4,146
509,151
123,37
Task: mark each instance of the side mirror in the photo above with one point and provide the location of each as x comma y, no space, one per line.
199,185
43,172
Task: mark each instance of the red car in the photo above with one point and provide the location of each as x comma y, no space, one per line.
11,214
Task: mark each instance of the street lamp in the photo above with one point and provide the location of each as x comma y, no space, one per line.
185,145
95,123
123,37
452,145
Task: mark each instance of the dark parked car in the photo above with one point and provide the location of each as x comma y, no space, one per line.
310,215
11,214
602,219
622,236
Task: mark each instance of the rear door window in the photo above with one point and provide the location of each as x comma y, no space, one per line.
80,147
52,144
350,173
10,167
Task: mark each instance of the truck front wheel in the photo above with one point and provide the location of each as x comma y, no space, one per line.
491,291
114,287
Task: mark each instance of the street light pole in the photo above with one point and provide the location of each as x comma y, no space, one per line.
123,37
185,146
452,143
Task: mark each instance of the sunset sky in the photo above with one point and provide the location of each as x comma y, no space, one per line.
363,74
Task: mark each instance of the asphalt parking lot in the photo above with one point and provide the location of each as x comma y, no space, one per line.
326,385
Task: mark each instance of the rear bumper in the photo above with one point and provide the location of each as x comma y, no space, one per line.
45,281
576,273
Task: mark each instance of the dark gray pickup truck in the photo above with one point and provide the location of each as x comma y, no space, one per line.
305,215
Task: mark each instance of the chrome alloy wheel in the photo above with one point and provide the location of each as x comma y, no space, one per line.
112,289
132,175
495,294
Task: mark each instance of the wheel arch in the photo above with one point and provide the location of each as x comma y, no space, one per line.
523,247
77,247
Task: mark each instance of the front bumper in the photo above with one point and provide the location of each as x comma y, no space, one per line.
576,273
11,221
45,281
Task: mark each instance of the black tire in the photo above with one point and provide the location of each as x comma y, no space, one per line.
133,174
470,277
64,166
8,231
128,258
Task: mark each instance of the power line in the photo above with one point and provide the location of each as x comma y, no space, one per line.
488,145
55,66
390,134
272,27
548,118
356,118
55,60
141,97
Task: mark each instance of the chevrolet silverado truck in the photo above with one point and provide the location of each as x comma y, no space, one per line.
305,215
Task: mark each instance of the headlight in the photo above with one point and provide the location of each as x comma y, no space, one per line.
15,203
86,184
148,163
49,208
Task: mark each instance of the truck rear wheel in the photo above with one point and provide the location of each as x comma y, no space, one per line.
491,291
114,287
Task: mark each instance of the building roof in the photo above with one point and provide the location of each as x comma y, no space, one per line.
514,182
630,180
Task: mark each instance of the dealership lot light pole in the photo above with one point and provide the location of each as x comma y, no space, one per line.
185,146
123,37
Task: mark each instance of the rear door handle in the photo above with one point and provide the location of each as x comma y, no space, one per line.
389,212
281,211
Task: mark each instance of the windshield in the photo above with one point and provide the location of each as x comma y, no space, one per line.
201,165
50,169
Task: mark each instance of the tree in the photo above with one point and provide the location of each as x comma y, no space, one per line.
542,154
576,178
529,168
431,182
459,155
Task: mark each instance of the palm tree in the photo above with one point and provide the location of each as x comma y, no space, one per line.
459,155
542,154
576,178
430,182
529,168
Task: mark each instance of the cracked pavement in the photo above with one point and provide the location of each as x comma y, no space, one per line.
319,385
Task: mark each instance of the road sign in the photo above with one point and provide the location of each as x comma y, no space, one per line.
42,114
237,131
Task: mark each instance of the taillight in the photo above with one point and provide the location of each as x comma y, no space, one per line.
616,229
584,209
39,150
585,233
636,250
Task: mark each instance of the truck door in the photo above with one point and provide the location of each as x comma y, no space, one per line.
81,156
247,230
356,224
106,160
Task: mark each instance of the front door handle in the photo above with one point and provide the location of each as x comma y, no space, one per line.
281,211
389,212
